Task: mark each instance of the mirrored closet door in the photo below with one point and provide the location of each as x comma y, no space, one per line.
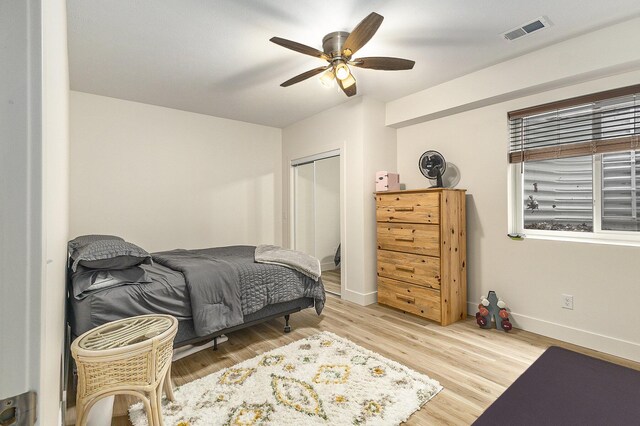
316,230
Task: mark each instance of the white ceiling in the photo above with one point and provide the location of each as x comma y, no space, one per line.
214,56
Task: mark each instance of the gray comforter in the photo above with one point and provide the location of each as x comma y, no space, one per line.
217,277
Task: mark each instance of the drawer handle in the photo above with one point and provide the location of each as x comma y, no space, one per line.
407,239
403,209
406,298
405,268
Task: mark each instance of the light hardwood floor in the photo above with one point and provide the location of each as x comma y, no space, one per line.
331,281
475,366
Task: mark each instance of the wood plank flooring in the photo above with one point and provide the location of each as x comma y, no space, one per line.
331,281
475,366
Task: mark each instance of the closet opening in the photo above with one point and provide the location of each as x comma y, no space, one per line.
316,214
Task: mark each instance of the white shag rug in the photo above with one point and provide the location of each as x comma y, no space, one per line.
321,380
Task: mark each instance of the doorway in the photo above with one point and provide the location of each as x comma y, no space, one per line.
316,210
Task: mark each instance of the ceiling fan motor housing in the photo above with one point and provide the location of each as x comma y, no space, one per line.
332,43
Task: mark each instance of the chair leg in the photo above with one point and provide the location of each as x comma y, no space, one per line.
159,404
168,386
148,410
80,413
156,405
153,401
84,409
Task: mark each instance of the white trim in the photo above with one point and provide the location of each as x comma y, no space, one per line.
343,219
315,157
596,192
576,336
292,210
582,237
314,208
362,299
515,219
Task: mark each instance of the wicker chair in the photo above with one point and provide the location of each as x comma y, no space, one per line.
131,356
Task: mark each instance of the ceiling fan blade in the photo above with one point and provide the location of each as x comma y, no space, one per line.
383,63
362,33
349,91
303,76
298,47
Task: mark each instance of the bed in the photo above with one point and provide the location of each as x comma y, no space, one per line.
210,291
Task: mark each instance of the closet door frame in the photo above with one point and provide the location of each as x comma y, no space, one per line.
299,162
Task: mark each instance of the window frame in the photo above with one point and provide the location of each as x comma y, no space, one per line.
598,236
595,147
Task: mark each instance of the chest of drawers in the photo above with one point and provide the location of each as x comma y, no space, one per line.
421,236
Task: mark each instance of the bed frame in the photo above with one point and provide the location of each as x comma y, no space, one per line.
186,336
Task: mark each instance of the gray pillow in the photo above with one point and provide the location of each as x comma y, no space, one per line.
110,254
86,281
83,240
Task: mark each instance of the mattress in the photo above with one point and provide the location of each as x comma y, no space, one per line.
262,286
166,294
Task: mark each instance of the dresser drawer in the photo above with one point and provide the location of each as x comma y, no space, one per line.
421,301
413,268
410,238
408,208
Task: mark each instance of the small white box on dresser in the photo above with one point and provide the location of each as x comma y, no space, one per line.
386,181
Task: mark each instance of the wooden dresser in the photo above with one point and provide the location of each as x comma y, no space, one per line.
422,264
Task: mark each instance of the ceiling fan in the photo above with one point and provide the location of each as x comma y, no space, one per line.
338,48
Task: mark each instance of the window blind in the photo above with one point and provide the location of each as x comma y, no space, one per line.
602,122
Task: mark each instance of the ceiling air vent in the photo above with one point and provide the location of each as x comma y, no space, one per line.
526,29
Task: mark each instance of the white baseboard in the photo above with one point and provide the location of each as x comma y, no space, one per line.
576,336
362,299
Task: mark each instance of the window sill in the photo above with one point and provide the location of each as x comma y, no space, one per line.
589,239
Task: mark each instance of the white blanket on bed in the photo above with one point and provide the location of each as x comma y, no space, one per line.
297,260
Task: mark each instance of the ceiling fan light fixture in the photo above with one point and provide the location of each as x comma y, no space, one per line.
327,78
338,47
348,82
342,71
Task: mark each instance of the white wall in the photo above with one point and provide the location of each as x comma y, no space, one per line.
55,138
379,153
531,274
357,129
21,178
165,179
33,201
608,51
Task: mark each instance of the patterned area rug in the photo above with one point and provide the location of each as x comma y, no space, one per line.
321,380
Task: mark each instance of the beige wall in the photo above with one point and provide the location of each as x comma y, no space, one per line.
532,274
357,129
164,178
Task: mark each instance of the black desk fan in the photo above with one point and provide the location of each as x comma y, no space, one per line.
432,165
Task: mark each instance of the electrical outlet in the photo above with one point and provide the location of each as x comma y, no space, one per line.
567,301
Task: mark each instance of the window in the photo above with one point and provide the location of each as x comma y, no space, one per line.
576,167
620,191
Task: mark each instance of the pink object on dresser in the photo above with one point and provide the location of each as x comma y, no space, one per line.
386,181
